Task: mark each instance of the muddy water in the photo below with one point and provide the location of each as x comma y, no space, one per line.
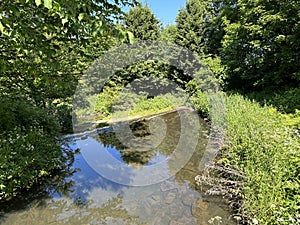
93,195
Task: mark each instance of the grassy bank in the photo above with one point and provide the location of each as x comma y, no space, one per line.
264,145
119,104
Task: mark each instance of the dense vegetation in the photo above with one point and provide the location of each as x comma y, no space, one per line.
264,145
252,48
45,47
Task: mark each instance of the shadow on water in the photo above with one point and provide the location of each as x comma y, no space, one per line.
80,195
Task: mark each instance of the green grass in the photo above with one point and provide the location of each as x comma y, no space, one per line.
113,103
265,145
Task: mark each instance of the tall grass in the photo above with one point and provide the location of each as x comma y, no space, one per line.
264,145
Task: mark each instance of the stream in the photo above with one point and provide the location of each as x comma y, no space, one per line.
114,182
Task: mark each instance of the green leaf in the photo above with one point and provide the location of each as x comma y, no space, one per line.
38,2
64,20
48,4
1,28
81,16
130,37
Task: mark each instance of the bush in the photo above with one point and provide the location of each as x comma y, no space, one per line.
105,101
28,149
19,112
25,157
285,101
62,111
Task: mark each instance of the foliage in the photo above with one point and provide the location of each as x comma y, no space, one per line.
199,29
260,48
217,11
285,101
142,23
150,68
62,111
145,79
257,41
26,156
112,103
28,150
105,101
266,150
168,33
191,26
216,67
43,45
264,145
201,103
21,113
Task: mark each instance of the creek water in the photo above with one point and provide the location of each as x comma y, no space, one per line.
93,192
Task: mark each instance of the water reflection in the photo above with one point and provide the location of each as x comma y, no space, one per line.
86,197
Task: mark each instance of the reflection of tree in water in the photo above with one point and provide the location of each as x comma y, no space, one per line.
131,156
62,212
171,139
191,169
140,129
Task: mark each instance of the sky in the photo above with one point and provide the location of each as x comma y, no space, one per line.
165,10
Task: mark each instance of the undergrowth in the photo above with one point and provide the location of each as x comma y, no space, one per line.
264,146
28,149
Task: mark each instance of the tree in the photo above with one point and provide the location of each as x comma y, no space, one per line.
169,33
45,47
261,48
199,28
142,23
191,25
214,33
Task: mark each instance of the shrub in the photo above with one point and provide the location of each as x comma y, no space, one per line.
105,101
28,149
285,101
25,157
19,112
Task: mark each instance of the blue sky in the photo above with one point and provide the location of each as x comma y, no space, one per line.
165,10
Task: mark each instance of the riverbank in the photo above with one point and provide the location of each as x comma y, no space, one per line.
92,125
259,163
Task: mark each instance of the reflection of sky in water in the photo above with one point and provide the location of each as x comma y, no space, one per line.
92,190
95,199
